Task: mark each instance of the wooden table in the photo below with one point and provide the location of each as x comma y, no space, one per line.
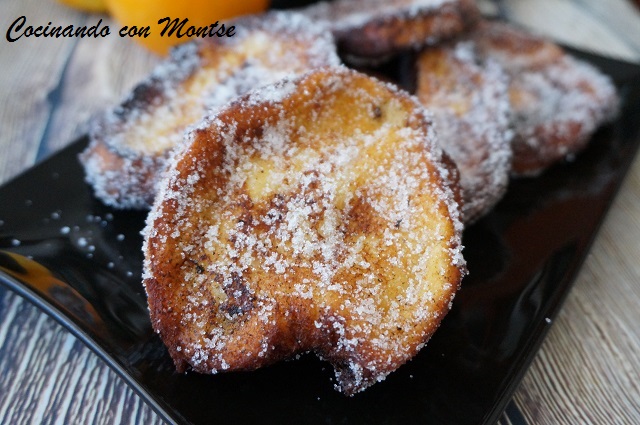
586,371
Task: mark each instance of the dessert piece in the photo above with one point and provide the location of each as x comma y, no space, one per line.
558,101
314,215
469,98
379,28
131,144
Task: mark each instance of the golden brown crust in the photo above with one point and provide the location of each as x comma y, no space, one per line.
470,102
314,215
379,28
197,77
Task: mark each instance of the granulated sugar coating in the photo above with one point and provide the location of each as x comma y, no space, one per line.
556,111
378,28
558,102
314,215
470,101
130,145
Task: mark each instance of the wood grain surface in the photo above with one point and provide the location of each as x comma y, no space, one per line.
586,371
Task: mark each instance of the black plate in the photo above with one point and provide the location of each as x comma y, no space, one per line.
522,259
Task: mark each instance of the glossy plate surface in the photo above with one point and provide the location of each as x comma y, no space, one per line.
86,265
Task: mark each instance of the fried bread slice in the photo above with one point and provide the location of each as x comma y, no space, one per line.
379,28
469,98
316,215
130,145
557,101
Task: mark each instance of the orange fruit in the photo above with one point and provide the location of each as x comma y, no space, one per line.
87,5
143,13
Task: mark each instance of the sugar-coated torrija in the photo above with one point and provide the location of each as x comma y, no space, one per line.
317,214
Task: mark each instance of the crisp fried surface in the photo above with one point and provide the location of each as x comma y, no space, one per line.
198,76
558,102
378,28
314,215
470,102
